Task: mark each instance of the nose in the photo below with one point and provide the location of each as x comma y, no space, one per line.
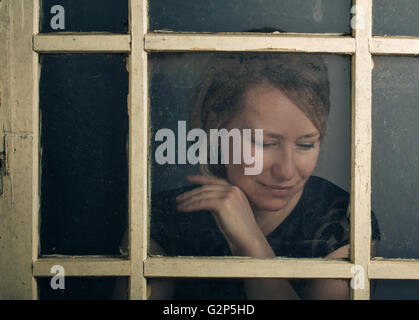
284,167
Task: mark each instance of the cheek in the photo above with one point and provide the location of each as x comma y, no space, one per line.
234,173
307,164
304,163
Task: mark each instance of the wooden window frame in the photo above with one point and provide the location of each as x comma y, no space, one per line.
19,143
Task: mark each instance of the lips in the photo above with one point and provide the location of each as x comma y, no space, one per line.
278,190
279,187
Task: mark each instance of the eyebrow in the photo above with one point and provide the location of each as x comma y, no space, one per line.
309,135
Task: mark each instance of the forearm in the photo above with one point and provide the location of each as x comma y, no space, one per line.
269,289
261,288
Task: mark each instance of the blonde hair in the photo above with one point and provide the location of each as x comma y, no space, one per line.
303,78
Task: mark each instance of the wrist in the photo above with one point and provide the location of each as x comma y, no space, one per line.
256,248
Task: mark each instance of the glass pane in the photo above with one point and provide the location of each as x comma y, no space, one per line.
395,166
212,90
309,16
84,129
76,288
396,290
84,16
395,17
235,289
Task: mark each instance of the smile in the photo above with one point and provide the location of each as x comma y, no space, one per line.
278,190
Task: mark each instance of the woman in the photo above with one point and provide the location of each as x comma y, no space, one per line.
283,211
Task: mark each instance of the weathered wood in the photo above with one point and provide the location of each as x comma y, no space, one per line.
246,42
393,269
138,150
83,266
60,43
394,45
247,268
19,201
360,203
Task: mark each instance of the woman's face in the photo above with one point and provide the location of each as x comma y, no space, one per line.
290,147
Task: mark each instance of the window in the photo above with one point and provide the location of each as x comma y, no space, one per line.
30,49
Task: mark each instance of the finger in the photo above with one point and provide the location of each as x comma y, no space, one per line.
199,190
218,194
210,201
200,179
204,196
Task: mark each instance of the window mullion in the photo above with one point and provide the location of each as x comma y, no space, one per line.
394,45
138,150
161,42
19,140
228,267
361,150
64,43
83,266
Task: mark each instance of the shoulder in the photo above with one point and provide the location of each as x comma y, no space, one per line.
323,195
326,206
326,210
332,202
318,184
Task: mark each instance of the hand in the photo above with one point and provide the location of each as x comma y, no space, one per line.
230,208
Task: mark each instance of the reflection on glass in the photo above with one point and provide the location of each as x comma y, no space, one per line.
84,16
396,290
256,192
395,165
84,177
310,16
76,288
395,17
243,289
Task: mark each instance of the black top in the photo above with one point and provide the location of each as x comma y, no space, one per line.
318,225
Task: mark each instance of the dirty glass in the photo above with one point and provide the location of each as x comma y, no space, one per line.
84,16
395,18
396,290
179,82
395,165
78,288
308,16
84,170
234,289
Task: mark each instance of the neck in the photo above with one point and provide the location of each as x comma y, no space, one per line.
270,220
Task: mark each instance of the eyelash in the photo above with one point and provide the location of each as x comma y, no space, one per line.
306,146
301,146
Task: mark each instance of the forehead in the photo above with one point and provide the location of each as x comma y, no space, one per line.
266,107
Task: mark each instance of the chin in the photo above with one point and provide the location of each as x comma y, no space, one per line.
270,204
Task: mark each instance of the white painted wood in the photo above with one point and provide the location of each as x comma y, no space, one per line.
247,268
138,150
19,201
394,46
361,149
393,269
61,43
248,42
83,266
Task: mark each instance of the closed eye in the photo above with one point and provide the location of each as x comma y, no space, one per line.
269,144
264,144
305,146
